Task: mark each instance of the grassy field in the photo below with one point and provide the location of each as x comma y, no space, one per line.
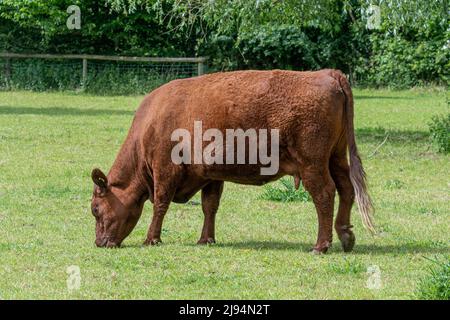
49,143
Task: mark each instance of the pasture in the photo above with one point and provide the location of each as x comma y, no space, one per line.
49,143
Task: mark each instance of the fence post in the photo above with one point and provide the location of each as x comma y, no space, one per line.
200,68
84,75
8,71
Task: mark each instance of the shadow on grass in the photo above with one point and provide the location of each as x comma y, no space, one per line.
378,134
61,111
375,249
372,249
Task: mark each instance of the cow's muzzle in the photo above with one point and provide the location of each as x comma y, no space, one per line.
106,242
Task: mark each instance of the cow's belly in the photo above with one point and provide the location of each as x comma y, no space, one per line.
245,174
250,174
253,174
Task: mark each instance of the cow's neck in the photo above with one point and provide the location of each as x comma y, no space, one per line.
126,172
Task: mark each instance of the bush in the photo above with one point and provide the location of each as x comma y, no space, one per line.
440,132
279,46
285,47
286,192
436,285
399,63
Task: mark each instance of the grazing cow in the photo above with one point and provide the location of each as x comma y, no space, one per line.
313,113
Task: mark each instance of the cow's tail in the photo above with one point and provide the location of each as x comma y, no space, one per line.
357,174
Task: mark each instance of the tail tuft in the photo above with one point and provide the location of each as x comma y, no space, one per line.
362,198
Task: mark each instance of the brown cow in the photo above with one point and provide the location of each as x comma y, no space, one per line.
313,112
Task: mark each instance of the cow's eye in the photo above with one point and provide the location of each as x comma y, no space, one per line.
95,210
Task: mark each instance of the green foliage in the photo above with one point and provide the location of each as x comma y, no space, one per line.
226,17
285,47
436,285
293,47
400,63
268,36
40,26
440,132
285,192
410,47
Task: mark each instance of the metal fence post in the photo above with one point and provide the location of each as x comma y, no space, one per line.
84,75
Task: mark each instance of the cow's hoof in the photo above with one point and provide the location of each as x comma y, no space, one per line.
152,242
206,241
316,252
347,240
320,249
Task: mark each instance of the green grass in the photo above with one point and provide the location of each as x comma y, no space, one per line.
436,285
284,191
49,143
440,132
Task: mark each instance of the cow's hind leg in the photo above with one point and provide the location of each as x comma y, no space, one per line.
318,182
341,175
210,204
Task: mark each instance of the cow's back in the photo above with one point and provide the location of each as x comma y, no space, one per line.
243,99
301,105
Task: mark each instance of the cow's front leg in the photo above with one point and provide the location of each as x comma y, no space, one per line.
154,231
163,195
210,204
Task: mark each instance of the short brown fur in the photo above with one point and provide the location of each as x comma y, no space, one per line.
312,110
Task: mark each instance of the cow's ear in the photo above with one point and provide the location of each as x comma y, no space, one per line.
99,179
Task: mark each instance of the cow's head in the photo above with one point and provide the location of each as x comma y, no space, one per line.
116,211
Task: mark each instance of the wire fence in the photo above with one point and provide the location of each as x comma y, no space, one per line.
96,74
